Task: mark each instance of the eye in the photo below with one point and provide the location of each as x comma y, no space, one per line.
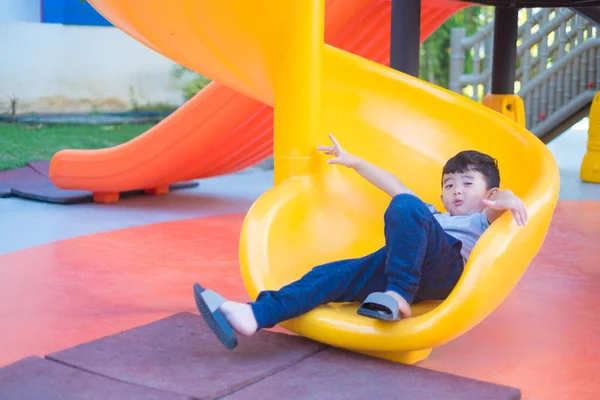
448,186
468,183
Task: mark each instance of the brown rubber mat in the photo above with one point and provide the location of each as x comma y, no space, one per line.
37,378
180,354
336,374
19,175
32,183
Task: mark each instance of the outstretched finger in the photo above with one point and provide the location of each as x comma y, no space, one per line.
335,142
325,148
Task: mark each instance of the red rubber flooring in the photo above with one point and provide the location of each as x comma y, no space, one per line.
543,339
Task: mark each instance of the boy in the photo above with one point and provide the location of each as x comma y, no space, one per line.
423,257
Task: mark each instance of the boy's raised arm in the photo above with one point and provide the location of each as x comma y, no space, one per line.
379,177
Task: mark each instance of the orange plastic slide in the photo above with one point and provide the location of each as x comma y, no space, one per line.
220,131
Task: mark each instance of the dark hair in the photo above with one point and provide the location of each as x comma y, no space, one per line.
471,160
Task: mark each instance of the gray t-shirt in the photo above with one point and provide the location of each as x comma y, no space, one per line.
466,228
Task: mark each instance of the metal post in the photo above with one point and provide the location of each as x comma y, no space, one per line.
504,66
457,58
405,37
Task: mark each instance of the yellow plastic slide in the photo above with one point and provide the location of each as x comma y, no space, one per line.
273,51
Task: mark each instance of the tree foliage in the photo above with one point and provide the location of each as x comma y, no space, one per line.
192,81
435,51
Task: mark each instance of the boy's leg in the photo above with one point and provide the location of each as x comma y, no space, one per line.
423,261
338,281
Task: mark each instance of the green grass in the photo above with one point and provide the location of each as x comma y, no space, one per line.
21,143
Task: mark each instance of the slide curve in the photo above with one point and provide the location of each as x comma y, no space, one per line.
220,130
273,51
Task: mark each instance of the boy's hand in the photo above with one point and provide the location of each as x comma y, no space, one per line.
506,200
377,176
342,157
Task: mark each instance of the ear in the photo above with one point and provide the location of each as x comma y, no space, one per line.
491,192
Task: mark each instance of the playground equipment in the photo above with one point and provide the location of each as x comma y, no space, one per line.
557,74
221,130
274,52
590,167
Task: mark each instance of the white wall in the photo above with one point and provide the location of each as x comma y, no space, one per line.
20,10
61,68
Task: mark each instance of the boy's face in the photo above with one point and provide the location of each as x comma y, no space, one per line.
462,193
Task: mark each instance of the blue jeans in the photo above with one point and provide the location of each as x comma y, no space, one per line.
419,261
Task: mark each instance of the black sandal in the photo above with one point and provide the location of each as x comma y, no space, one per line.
208,303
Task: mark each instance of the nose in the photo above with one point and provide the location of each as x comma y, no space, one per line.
457,190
